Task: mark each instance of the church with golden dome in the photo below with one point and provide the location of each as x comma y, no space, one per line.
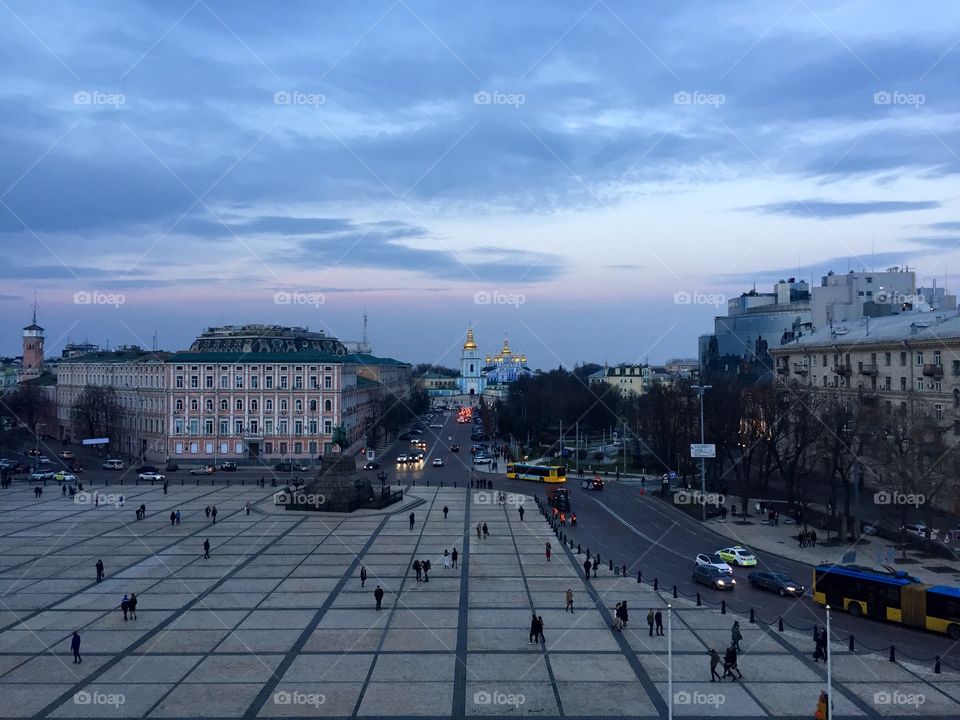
494,373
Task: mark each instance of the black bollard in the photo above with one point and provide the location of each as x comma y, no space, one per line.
753,618
674,592
893,654
698,600
624,571
723,607
780,627
936,666
617,571
639,576
656,584
578,549
816,633
611,566
851,644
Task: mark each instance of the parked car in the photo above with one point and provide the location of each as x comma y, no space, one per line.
594,483
372,465
775,581
228,466
918,531
146,469
153,476
437,462
301,467
64,476
283,467
481,459
39,475
706,575
203,470
172,467
454,447
33,452
713,560
43,460
113,464
7,463
75,467
66,455
738,555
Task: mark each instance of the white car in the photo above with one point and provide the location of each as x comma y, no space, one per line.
438,462
481,459
402,458
738,555
151,476
919,531
436,425
715,561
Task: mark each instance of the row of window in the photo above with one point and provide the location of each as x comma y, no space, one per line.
250,427
283,382
178,405
225,448
919,359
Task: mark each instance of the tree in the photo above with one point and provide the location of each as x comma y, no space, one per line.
795,452
96,412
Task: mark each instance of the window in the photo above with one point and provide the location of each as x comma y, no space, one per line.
903,359
194,381
938,411
224,448
938,385
178,405
313,406
224,404
194,404
956,367
824,359
209,405
282,427
238,382
179,381
886,382
178,448
956,399
327,382
208,427
283,448
194,427
178,426
254,406
254,382
903,384
298,427
298,406
224,427
208,382
313,427
283,382
268,382
919,384
298,448
298,382
313,383
268,405
238,427
239,405
268,427
224,382
919,356
937,360
327,427
886,359
328,406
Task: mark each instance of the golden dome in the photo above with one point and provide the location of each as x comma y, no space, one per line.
470,344
506,347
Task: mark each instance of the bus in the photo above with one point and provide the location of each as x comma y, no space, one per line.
538,473
891,596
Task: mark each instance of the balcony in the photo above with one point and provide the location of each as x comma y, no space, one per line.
933,370
869,369
783,369
252,435
800,369
841,369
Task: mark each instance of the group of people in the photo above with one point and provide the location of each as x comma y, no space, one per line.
450,559
174,517
129,606
422,569
481,483
589,565
730,668
536,630
141,511
482,531
211,512
561,517
807,538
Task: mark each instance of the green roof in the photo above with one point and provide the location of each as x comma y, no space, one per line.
104,356
43,380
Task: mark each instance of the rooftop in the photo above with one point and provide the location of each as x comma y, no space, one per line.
911,326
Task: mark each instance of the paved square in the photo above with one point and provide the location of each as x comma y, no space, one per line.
276,623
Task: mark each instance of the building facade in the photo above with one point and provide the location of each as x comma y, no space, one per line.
472,379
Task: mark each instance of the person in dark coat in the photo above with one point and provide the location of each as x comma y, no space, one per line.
99,570
378,596
658,619
730,664
520,510
173,518
418,569
586,569
213,514
650,620
445,511
714,661
624,613
206,548
132,604
125,606
412,520
533,630
363,575
454,556
75,646
540,635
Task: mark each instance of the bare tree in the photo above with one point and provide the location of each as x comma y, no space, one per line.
96,412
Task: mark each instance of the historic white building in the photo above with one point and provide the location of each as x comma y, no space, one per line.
472,379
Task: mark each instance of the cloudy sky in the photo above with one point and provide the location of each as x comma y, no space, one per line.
552,171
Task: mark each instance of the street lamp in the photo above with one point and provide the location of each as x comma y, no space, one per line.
669,661
829,669
701,389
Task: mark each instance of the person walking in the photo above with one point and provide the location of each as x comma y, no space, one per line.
479,530
64,490
446,559
820,648
132,604
813,538
486,532
99,570
247,507
714,661
413,519
617,621
547,551
178,518
596,564
624,613
563,519
213,514
658,619
735,635
75,646
363,575
730,664
520,510
454,556
801,538
425,565
445,511
173,518
540,635
207,511
125,606
206,548
569,607
650,620
533,630
164,487
586,572
573,519
418,569
378,596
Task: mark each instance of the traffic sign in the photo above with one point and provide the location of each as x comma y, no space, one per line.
703,450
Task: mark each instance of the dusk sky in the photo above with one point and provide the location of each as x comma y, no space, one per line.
554,171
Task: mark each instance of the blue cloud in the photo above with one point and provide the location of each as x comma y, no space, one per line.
827,209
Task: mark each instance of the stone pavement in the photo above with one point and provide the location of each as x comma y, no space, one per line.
276,624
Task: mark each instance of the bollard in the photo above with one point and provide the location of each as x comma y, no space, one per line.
723,607
851,646
242,481
611,566
198,482
656,584
753,618
893,654
639,576
698,600
780,627
617,571
121,481
441,483
936,666
578,549
624,571
674,592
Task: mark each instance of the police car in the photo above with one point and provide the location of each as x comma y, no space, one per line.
737,555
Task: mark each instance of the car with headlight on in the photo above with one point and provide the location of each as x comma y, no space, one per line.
402,459
713,560
737,555
777,582
151,476
39,475
437,462
706,575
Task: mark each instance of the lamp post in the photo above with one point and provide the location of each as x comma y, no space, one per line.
829,669
701,389
669,661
